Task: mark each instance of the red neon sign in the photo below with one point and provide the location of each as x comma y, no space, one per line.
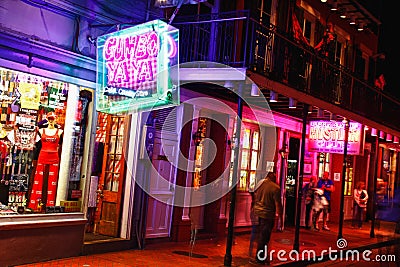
328,136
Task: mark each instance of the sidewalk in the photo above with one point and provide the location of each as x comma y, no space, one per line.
211,252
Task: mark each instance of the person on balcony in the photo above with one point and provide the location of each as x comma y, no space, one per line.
326,46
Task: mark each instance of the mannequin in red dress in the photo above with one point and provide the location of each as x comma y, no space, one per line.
46,174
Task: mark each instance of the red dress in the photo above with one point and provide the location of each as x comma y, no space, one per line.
48,156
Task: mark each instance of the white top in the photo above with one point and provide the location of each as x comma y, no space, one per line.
362,202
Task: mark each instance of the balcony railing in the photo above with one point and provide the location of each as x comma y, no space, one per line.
237,40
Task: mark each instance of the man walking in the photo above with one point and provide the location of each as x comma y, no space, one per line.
267,205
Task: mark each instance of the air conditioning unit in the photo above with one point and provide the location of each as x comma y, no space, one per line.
174,3
165,3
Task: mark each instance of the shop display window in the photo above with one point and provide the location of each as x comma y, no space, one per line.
250,153
41,152
323,163
348,185
198,178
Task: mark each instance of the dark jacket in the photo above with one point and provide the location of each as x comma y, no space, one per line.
268,200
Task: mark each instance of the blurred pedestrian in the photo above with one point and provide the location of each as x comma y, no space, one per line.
254,224
319,204
360,196
327,185
308,193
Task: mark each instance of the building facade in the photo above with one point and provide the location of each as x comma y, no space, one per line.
126,178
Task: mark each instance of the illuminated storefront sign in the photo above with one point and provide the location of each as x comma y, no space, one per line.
133,68
328,136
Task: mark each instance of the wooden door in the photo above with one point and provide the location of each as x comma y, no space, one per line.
111,180
159,213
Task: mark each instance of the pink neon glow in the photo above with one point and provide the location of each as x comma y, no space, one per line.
173,48
131,61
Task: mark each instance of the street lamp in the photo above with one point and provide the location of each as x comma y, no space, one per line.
284,151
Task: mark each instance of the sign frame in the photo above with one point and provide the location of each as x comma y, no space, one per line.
133,69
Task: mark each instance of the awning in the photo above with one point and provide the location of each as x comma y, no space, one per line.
43,59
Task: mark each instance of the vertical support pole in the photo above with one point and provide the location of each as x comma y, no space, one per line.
346,139
282,179
175,12
372,198
299,184
229,238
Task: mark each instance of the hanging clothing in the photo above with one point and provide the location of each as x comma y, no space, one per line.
3,150
48,156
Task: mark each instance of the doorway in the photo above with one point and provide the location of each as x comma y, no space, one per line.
112,178
291,178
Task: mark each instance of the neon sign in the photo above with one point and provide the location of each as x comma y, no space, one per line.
328,136
133,68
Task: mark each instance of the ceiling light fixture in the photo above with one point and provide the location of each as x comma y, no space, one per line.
273,97
334,6
374,132
228,84
254,90
360,26
343,14
292,103
381,134
352,20
320,113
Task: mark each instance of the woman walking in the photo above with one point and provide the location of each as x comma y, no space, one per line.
360,196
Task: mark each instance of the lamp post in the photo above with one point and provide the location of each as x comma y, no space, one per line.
374,152
284,154
344,168
299,183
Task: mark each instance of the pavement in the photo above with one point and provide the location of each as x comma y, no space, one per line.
356,248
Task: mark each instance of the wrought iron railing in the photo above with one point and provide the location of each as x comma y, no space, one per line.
237,40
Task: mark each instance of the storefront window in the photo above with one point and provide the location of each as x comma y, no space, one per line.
249,158
348,185
323,163
202,132
41,151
